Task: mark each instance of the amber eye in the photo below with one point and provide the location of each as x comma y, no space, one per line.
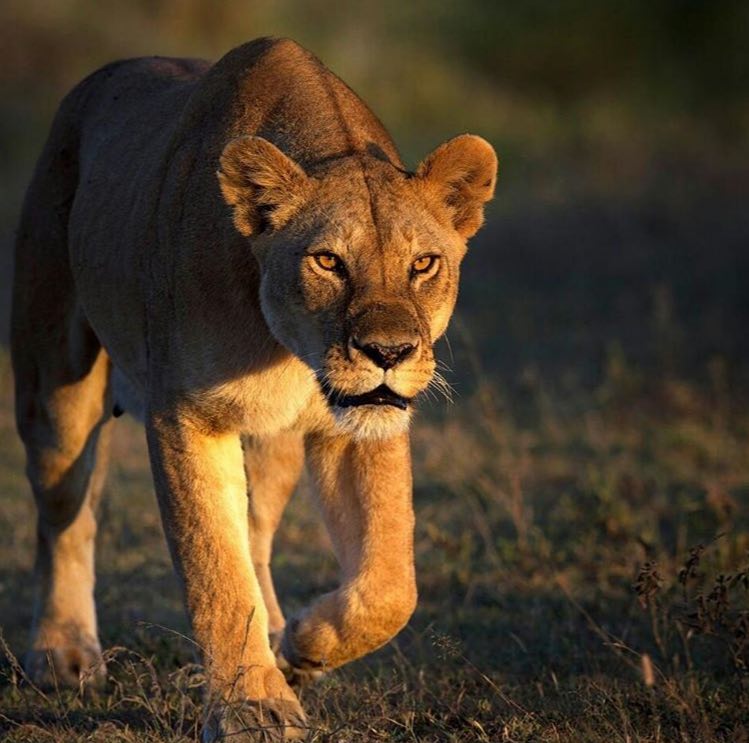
328,261
424,264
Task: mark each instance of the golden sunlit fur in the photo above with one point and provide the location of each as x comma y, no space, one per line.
237,254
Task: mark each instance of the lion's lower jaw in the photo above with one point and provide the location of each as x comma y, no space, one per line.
372,422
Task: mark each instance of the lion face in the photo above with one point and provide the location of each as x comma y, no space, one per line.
360,265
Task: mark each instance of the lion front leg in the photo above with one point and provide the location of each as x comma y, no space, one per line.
201,489
365,492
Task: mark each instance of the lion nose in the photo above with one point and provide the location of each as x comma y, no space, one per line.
386,357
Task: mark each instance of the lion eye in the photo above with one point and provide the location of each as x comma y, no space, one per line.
424,264
328,261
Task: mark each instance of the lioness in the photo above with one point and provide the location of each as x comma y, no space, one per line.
234,250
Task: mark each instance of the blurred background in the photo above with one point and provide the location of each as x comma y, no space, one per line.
622,128
582,506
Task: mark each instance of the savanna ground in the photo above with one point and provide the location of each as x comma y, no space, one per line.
582,507
583,569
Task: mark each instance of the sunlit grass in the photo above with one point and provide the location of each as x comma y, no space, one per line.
559,598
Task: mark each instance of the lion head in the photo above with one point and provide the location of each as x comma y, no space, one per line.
359,263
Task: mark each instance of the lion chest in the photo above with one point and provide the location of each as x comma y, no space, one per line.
265,402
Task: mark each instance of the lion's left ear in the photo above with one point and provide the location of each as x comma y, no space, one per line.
264,186
462,174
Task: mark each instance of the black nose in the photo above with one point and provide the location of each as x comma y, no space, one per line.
386,357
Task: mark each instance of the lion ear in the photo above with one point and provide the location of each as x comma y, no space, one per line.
462,173
264,186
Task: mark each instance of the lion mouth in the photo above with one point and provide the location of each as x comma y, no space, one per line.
381,395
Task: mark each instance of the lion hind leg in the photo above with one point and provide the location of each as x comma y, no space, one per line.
62,381
66,434
273,469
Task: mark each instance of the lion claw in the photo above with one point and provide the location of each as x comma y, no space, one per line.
298,675
270,720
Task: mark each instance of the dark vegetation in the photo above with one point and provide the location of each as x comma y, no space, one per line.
583,529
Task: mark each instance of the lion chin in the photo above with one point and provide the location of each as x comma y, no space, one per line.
371,422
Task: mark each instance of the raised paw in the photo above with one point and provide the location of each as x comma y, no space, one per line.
297,677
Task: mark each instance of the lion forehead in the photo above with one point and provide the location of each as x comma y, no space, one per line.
358,209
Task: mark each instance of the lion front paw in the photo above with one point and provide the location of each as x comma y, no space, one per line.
272,713
264,720
70,664
297,677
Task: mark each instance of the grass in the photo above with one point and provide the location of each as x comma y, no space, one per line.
582,563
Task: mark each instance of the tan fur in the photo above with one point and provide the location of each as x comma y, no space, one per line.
171,233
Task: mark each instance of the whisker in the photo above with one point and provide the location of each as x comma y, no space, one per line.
429,394
442,386
269,339
450,349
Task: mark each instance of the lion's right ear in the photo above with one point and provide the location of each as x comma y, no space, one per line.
264,186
